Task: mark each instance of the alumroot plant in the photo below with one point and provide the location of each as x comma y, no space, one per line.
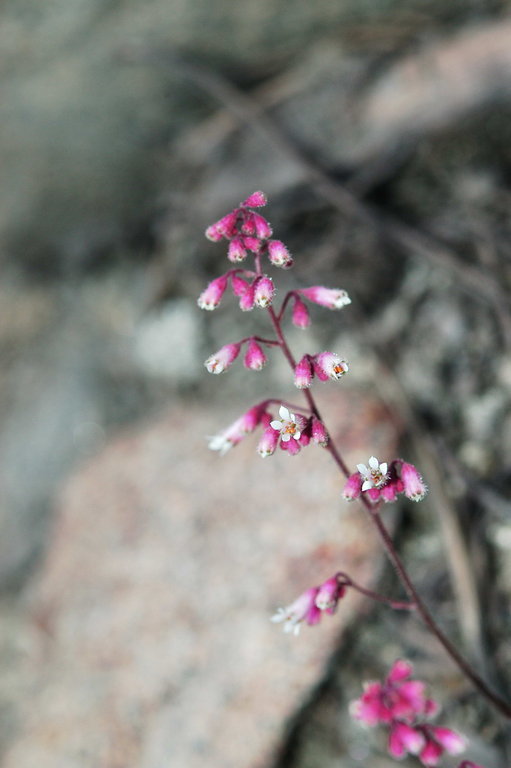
399,703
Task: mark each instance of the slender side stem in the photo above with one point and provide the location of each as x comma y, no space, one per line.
392,554
397,605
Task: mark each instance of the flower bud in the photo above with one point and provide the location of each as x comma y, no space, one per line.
352,487
329,594
268,442
414,486
300,316
319,433
264,292
247,298
236,251
303,373
255,359
210,298
255,200
279,255
221,360
332,298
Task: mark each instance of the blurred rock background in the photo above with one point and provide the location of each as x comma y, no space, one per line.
380,132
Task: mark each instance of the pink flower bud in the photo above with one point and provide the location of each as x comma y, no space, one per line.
236,251
404,739
329,594
451,741
224,227
255,359
389,492
353,487
279,255
268,442
303,609
332,298
373,493
239,285
262,227
264,292
247,299
431,753
319,433
221,360
255,200
252,244
291,446
248,225
210,298
251,419
414,486
331,365
303,373
300,316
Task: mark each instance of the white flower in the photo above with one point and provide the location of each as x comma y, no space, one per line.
288,426
375,475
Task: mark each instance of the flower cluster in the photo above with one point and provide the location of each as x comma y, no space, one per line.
291,431
310,605
325,365
400,704
249,232
382,481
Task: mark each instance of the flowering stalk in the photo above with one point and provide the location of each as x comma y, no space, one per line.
248,232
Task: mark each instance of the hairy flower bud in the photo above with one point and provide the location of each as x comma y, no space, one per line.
255,359
303,373
210,298
414,486
221,360
255,200
264,292
236,251
279,255
332,298
300,315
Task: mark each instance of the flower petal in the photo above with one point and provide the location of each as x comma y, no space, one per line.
284,413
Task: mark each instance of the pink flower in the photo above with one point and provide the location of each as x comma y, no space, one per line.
255,359
224,227
329,594
279,255
255,200
221,360
310,605
303,373
397,698
268,442
438,741
292,447
247,298
262,227
236,251
236,431
414,486
352,487
404,739
333,298
210,298
319,433
328,365
252,244
303,609
300,316
264,292
239,285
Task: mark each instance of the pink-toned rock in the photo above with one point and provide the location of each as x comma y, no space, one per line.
151,643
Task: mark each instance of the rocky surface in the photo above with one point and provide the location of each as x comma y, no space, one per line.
148,639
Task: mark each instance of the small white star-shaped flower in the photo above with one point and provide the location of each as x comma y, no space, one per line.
375,475
288,426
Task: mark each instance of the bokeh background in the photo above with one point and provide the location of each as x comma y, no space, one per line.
138,570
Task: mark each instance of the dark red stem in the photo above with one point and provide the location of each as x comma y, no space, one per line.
373,511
